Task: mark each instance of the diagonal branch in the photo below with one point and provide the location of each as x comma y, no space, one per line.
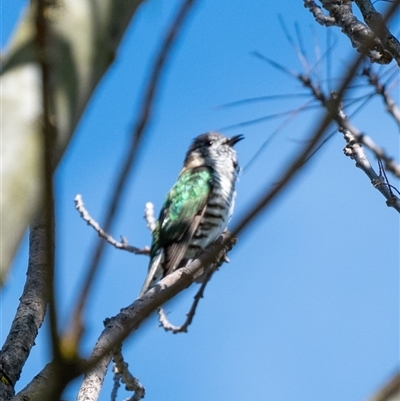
30,312
128,320
374,40
391,106
119,327
343,123
390,391
122,374
354,150
376,23
80,207
295,166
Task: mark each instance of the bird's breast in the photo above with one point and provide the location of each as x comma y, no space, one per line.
216,215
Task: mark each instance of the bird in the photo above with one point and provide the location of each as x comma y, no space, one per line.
197,208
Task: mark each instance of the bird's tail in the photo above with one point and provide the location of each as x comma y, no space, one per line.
154,273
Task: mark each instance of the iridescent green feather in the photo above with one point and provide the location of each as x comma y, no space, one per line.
185,200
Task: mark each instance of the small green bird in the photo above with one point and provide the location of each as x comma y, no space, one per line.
198,207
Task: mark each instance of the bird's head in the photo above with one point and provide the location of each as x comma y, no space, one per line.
212,149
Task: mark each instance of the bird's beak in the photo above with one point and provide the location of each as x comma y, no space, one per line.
235,139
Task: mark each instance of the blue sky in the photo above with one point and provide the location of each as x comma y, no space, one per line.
308,308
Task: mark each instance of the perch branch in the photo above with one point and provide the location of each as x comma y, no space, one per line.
129,319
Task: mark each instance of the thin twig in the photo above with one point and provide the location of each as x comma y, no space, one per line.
295,166
122,373
289,113
391,106
262,99
382,173
301,56
275,64
293,115
162,317
317,92
355,151
76,325
80,207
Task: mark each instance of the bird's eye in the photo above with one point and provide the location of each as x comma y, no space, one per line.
210,142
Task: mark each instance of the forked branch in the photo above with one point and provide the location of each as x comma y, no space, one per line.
123,244
371,38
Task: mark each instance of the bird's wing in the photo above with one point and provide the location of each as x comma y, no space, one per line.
182,213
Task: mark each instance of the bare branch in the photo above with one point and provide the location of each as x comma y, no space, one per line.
381,90
355,151
80,207
317,92
30,312
128,320
361,37
375,21
41,385
390,391
300,53
390,164
312,143
318,14
118,328
162,317
121,373
294,167
290,113
93,379
365,40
